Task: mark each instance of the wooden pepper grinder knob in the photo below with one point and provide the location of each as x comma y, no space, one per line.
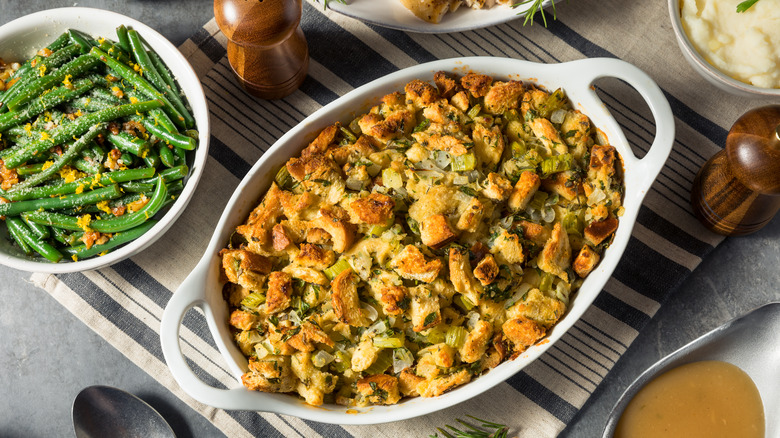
737,191
266,47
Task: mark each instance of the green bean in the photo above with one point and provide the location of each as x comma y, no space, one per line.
172,138
54,220
165,73
16,234
117,239
38,67
181,155
49,100
66,201
29,169
157,117
81,125
127,221
115,51
106,95
86,166
43,248
166,156
91,104
37,86
129,143
73,151
136,187
124,42
57,234
151,73
40,231
79,40
142,84
61,41
152,159
172,174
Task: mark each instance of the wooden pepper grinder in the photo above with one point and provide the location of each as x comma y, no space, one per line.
266,47
737,191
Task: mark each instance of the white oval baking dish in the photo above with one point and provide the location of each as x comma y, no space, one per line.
202,288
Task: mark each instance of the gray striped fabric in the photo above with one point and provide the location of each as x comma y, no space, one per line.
124,303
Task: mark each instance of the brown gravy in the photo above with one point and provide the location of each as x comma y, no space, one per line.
701,399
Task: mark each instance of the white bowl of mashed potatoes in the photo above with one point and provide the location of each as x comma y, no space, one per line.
738,52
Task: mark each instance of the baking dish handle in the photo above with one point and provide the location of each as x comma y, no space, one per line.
190,294
651,164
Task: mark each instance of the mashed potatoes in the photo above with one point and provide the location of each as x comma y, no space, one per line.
745,46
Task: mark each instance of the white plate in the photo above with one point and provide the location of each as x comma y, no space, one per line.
392,14
21,38
203,288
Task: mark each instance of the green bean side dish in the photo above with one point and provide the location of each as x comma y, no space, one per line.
94,142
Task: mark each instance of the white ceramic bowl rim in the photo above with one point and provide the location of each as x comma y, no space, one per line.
202,287
23,36
704,67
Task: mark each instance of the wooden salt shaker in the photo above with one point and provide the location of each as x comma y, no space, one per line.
737,191
266,47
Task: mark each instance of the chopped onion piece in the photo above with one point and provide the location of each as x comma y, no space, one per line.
373,169
377,327
322,358
548,214
293,316
460,180
521,290
427,164
506,222
443,159
596,196
601,138
354,184
254,337
261,351
402,359
372,315
473,318
473,175
558,116
429,174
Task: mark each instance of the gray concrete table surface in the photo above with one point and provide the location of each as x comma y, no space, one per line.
47,355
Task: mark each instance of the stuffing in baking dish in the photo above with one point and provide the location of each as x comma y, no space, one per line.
422,244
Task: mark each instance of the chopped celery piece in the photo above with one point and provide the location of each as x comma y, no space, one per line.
435,335
455,336
391,178
572,224
342,362
555,101
518,148
414,227
537,203
383,361
378,230
337,268
253,300
474,111
555,164
348,134
546,284
463,163
389,342
512,115
463,302
283,178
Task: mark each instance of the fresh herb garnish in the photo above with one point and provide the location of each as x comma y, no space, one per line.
325,3
747,4
471,431
536,6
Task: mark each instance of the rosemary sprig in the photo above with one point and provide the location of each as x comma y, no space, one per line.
747,4
536,7
471,431
325,3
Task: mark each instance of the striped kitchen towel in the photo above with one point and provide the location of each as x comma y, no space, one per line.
124,303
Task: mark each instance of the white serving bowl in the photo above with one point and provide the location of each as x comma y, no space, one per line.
707,70
203,289
21,38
